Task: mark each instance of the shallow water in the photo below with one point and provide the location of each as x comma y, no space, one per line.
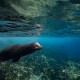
59,59
59,35
50,27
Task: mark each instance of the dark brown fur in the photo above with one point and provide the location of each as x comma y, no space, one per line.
15,52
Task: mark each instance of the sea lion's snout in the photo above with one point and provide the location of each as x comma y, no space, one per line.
41,47
37,46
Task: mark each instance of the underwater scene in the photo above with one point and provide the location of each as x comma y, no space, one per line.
40,40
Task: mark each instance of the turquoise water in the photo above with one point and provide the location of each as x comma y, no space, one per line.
59,59
69,46
59,35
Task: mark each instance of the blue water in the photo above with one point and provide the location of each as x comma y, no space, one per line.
58,60
67,45
50,27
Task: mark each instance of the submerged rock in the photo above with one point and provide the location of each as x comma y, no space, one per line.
40,68
27,10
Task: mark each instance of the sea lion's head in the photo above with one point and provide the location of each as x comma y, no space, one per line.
36,46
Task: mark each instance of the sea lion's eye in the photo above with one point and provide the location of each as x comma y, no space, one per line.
36,46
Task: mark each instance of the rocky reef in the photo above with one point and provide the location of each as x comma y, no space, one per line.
40,68
29,9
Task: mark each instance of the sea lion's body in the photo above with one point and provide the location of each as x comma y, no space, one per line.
15,52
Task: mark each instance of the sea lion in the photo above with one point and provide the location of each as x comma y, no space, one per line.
15,52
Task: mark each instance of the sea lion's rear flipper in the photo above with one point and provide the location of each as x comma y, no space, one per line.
16,59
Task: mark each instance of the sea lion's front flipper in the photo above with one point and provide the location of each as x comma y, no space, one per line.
15,59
